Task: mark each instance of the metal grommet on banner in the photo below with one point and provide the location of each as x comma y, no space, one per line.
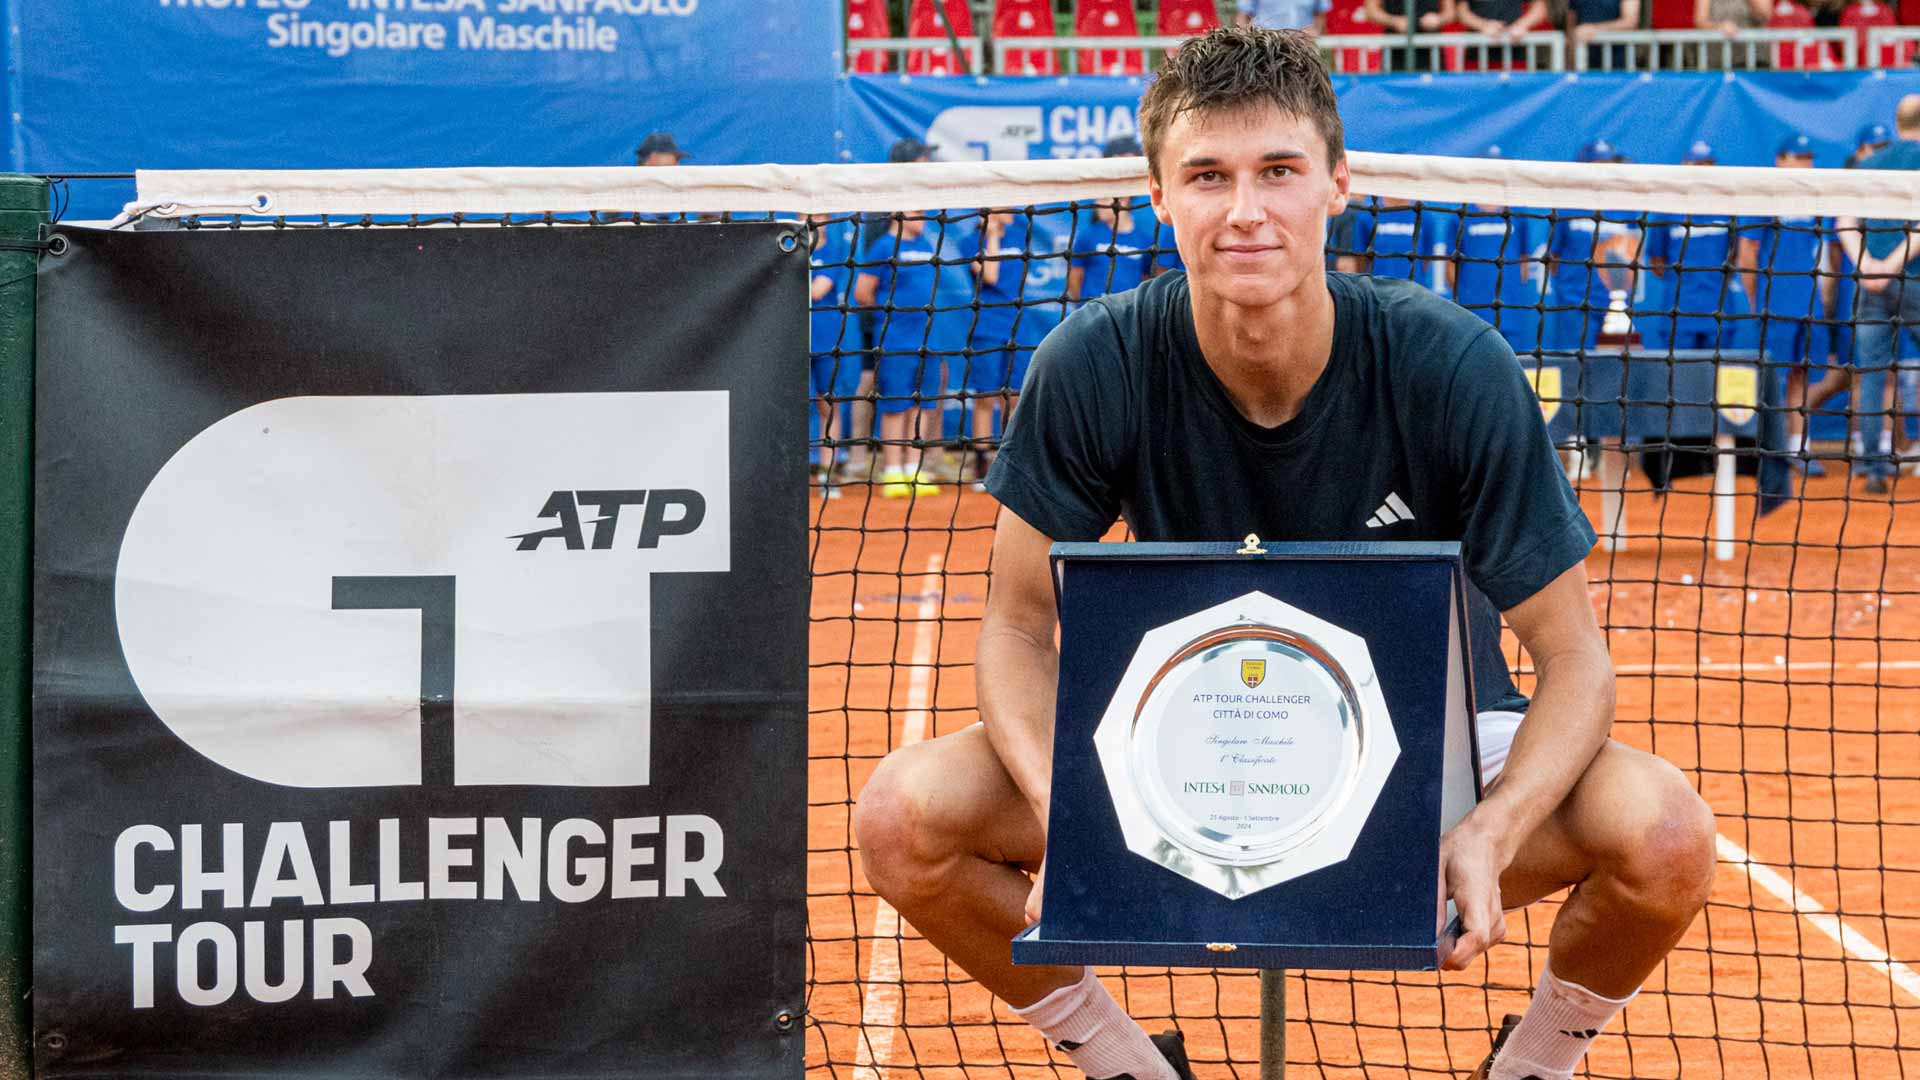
785,1020
55,1042
789,241
262,202
58,245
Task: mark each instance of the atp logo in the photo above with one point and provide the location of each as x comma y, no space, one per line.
344,592
565,506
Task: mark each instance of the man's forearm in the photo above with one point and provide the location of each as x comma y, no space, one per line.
1566,726
1018,676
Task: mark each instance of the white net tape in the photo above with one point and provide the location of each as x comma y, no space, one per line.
942,186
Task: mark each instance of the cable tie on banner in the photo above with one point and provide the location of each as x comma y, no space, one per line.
56,245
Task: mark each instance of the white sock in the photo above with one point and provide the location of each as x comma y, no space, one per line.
1561,1022
1085,1023
1797,443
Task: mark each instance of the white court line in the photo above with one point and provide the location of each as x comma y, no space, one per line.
1851,941
1758,665
880,1012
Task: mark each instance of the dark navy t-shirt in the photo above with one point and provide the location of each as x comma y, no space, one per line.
1422,407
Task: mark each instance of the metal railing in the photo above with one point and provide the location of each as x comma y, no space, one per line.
1545,50
1891,46
898,48
1714,50
1152,48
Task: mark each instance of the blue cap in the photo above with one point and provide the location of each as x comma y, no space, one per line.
1698,153
1874,134
660,142
1600,150
1122,146
1795,146
909,149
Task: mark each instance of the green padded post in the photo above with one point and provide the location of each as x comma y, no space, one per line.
1273,1025
23,212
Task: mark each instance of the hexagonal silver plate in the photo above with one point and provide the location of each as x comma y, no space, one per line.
1246,744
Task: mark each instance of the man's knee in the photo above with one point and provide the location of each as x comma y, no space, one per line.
1663,851
890,821
927,808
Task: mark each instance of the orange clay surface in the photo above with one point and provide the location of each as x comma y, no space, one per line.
1785,683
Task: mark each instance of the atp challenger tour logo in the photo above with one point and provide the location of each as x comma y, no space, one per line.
345,592
307,582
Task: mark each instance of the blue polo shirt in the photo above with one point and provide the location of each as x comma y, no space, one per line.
1497,260
908,278
1698,252
1402,233
832,327
1790,256
1883,234
1575,236
1113,260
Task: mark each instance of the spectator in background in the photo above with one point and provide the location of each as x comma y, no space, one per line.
1502,18
1113,251
1590,259
1785,262
1888,302
1410,242
1698,249
1586,18
909,150
1429,17
835,347
1730,16
1496,269
1866,142
1308,15
1350,235
899,276
1003,253
659,149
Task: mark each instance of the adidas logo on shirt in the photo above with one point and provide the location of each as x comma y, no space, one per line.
1391,512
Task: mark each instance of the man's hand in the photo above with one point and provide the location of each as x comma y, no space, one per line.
1470,866
1430,21
1585,31
1033,897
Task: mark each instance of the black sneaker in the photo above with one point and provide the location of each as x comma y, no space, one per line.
1172,1046
1506,1028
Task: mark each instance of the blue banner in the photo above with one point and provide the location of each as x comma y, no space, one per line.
110,87
1541,116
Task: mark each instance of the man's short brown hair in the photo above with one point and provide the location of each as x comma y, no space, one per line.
1234,67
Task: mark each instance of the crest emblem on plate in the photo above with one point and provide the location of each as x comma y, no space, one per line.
1253,672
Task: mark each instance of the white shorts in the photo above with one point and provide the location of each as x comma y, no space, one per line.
1496,738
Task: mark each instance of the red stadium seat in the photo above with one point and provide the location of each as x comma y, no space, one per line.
868,19
1347,19
1672,14
1869,13
1797,55
1108,18
923,21
1026,18
1186,17
1910,12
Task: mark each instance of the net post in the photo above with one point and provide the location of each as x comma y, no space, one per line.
1273,1025
23,212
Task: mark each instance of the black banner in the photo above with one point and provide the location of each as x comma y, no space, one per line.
420,645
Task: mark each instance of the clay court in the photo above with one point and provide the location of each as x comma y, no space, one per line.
1785,683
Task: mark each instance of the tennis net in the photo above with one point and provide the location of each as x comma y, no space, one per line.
1734,402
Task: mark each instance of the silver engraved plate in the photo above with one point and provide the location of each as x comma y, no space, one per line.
1246,744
